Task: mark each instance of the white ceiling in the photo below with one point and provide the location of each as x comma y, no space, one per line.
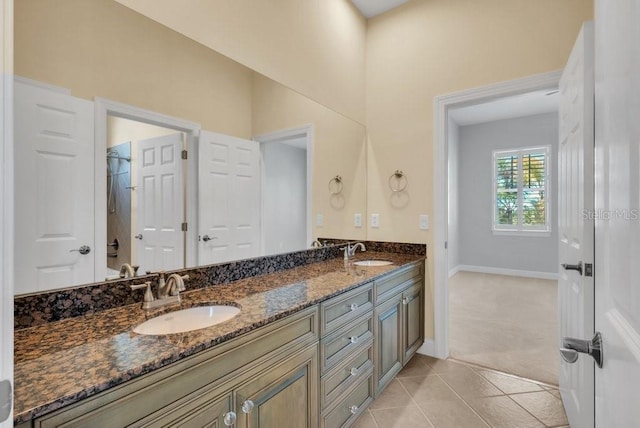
507,108
371,8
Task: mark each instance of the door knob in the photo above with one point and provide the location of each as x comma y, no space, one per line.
577,267
84,250
207,238
572,347
138,236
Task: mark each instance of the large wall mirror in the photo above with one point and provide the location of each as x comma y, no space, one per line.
136,145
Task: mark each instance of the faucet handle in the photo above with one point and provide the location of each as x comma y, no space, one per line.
148,294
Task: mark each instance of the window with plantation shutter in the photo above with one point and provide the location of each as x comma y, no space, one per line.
521,190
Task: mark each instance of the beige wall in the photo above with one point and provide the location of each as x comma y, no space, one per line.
101,48
338,147
428,48
316,47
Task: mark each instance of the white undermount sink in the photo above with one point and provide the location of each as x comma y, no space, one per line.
372,263
187,320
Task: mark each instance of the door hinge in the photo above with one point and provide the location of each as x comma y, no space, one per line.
446,245
184,154
588,269
184,227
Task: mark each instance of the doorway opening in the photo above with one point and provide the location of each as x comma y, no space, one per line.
146,150
146,188
287,159
476,279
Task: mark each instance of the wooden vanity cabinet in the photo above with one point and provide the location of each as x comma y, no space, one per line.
270,364
321,366
399,321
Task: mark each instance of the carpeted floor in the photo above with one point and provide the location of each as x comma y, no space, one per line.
506,323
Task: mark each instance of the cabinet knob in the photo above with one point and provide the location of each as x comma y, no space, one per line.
229,418
354,306
353,371
353,339
353,409
247,406
139,236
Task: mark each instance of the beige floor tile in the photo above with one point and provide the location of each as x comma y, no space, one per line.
503,412
544,406
470,384
443,366
394,395
404,417
451,413
555,393
366,421
509,384
416,367
427,388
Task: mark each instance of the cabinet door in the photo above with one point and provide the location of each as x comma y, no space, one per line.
412,322
202,409
285,396
388,343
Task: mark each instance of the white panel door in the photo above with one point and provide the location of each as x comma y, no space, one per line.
159,199
54,189
618,199
228,198
576,225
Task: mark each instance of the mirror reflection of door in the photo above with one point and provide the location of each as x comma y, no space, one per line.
145,196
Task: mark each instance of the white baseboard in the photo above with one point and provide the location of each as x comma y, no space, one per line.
454,270
428,348
503,271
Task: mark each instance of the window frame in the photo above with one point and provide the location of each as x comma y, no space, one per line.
521,229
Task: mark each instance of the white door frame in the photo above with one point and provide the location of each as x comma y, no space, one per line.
298,131
104,108
441,106
6,197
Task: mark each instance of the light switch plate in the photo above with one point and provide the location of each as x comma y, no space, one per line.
424,221
319,220
375,220
357,220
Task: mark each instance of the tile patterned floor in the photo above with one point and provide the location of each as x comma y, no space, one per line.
449,394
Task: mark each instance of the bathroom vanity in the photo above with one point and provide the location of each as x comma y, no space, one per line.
311,346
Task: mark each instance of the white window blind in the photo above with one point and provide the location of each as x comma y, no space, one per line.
521,190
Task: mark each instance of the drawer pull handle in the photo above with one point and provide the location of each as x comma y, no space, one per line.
353,371
353,409
354,306
229,418
353,339
247,406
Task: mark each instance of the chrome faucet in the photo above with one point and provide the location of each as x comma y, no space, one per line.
350,250
128,271
168,290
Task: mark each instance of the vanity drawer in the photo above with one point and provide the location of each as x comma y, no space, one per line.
389,285
342,377
344,342
341,309
351,406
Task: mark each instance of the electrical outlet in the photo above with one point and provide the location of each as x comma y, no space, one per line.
319,220
357,220
424,221
375,220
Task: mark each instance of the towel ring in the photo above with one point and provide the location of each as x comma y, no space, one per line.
335,189
400,181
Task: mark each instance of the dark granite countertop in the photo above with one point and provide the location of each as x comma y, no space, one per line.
62,362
